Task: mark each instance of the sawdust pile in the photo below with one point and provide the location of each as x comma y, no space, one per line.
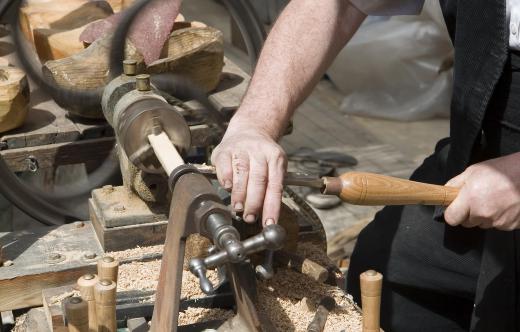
290,300
136,253
19,324
201,315
145,276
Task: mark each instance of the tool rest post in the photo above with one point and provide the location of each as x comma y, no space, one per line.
105,294
371,283
86,284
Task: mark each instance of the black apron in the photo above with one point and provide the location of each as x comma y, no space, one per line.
438,277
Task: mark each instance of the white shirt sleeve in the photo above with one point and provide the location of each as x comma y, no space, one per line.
389,7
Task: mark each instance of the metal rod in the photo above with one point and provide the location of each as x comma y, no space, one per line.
166,152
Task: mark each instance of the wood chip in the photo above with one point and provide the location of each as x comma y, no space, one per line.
201,315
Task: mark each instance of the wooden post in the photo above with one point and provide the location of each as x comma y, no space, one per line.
105,294
108,268
76,311
86,286
371,284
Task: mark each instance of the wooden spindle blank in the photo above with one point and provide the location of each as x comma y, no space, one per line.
105,294
86,284
108,268
371,285
76,311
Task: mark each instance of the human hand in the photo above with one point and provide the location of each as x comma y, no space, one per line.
252,165
489,195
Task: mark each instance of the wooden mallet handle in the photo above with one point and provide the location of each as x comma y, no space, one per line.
361,188
76,311
86,284
105,294
371,285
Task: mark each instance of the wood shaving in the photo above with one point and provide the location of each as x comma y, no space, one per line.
145,276
19,324
136,253
201,315
59,298
290,300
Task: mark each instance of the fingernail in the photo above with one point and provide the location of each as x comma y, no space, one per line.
239,206
228,184
250,218
269,222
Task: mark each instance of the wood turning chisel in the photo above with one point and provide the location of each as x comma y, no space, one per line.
362,188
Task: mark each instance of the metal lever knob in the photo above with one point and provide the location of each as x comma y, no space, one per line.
272,237
265,270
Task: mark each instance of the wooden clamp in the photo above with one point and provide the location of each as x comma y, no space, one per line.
86,284
371,285
76,311
105,294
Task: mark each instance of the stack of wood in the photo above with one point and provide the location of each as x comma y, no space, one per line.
54,28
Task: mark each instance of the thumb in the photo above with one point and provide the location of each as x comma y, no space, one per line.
459,180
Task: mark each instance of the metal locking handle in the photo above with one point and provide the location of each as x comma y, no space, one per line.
271,238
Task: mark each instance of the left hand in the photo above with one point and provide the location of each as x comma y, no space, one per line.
489,195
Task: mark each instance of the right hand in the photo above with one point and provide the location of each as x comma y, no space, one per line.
252,165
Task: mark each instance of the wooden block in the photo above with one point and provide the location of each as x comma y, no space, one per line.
231,89
14,98
53,155
137,325
53,44
125,237
43,258
35,321
52,305
60,14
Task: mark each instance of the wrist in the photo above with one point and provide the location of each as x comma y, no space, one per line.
262,124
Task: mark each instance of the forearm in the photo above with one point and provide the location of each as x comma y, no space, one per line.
301,46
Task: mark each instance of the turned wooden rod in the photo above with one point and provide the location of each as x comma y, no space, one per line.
166,152
371,283
362,188
86,284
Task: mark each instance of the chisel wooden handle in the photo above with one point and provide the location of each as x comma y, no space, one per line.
361,188
371,283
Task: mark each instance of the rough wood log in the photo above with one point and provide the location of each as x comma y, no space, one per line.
14,98
60,14
196,53
53,44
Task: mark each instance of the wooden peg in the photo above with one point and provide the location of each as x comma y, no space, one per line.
105,294
108,268
86,284
371,285
76,311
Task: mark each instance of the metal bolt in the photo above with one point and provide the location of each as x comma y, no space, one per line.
142,82
89,276
90,255
8,263
108,259
32,164
75,300
79,224
55,257
105,282
130,67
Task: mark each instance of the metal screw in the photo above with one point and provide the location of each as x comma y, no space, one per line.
55,257
119,208
8,263
105,282
89,276
142,82
130,67
79,224
32,164
90,255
